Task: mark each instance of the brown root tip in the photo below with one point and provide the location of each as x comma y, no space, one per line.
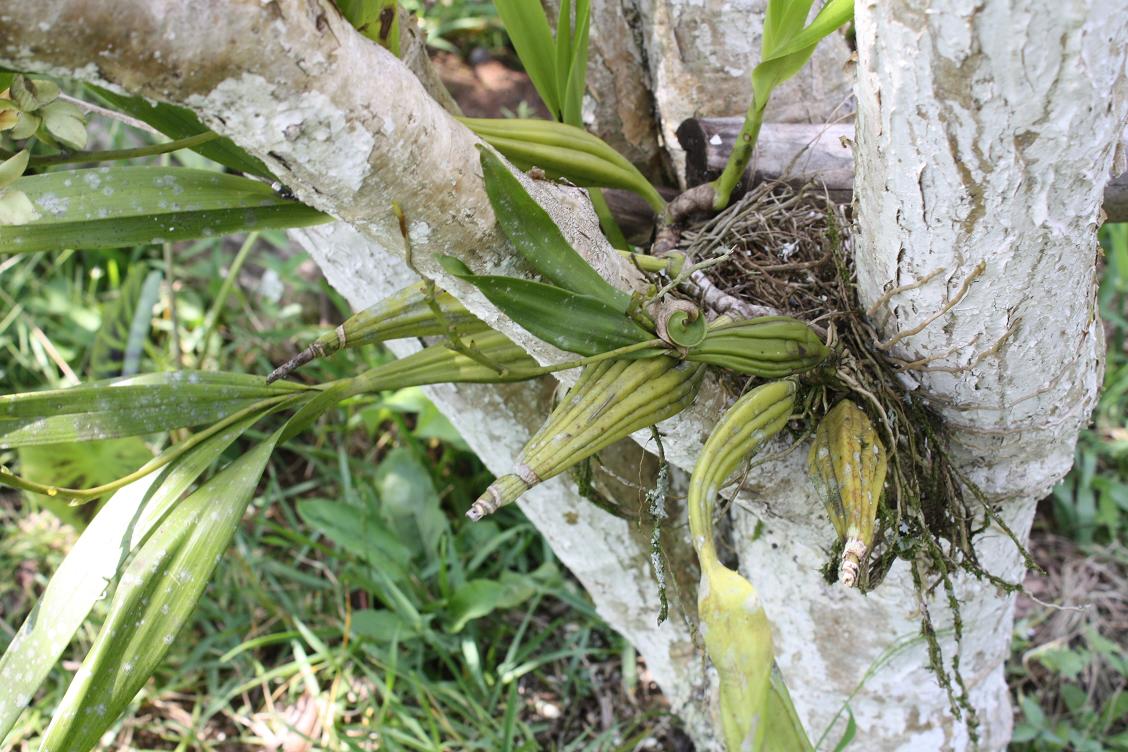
850,566
697,200
504,490
292,364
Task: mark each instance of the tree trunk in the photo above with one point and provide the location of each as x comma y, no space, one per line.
968,151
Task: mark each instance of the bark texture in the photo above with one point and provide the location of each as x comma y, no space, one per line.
655,63
701,54
350,130
971,165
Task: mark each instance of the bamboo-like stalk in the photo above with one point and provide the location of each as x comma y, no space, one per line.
848,462
407,313
612,399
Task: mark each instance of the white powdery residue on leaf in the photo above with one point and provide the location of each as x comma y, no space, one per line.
53,204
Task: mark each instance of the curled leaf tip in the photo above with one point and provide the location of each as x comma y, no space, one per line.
680,324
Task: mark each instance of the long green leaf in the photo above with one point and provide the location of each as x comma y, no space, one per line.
572,88
110,207
830,17
155,597
537,238
563,50
568,320
527,26
788,56
563,151
130,406
179,122
783,19
96,559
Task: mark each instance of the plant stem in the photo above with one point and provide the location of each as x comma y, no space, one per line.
607,220
616,353
646,262
116,154
81,496
740,157
212,318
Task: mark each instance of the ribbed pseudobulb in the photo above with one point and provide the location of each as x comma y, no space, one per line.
848,463
611,400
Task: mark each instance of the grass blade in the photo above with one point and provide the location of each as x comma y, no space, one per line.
125,325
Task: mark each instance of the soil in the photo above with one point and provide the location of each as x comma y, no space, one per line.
488,86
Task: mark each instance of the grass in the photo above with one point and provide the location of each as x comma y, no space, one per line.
1069,667
459,26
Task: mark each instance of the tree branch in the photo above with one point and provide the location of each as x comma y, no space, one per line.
342,122
804,153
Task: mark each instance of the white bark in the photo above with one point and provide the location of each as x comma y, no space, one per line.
990,143
295,86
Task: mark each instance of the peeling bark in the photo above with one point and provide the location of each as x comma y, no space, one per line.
970,161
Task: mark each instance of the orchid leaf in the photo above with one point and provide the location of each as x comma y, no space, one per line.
92,564
131,406
155,596
568,320
537,238
111,207
528,29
